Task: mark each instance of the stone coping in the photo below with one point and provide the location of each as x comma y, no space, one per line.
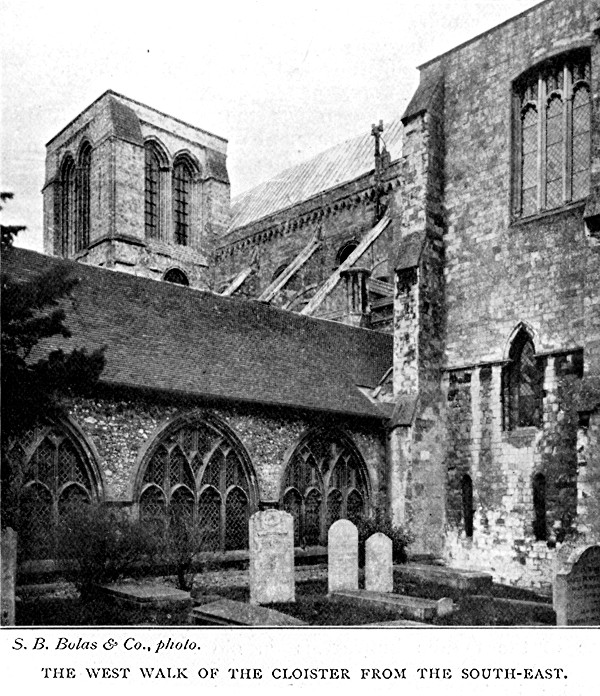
457,578
228,612
408,607
146,593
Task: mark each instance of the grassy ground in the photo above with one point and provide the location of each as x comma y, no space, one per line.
312,605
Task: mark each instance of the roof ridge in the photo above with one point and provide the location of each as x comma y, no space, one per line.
308,160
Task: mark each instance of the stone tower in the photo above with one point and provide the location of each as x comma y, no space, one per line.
132,189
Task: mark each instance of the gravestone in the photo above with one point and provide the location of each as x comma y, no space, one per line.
228,612
271,557
9,574
576,588
156,594
378,563
342,556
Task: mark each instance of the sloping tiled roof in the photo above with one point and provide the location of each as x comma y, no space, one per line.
337,165
167,337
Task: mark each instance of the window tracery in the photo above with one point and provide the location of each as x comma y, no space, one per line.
553,112
198,478
522,385
54,481
325,480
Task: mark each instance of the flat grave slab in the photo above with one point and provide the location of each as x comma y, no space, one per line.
416,608
468,580
199,598
398,623
228,612
157,594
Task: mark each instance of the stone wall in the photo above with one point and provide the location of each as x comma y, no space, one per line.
502,464
499,273
119,428
338,216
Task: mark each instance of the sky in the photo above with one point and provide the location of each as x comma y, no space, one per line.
281,81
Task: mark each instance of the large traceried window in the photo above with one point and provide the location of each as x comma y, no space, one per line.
325,480
522,385
552,134
152,192
182,201
199,477
54,480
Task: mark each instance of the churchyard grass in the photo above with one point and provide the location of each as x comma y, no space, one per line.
64,608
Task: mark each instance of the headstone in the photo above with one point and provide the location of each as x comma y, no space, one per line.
9,574
378,563
271,557
342,556
576,588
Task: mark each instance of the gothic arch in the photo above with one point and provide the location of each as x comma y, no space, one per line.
195,471
84,145
521,326
522,383
160,150
325,478
188,158
54,469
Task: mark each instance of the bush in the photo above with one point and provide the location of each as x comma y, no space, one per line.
103,546
181,549
401,538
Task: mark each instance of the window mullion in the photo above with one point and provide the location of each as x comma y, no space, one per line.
541,143
518,160
568,131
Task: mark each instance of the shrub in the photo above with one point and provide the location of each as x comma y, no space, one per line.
182,545
102,546
401,538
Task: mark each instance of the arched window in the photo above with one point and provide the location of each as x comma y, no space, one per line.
55,479
467,504
522,385
325,480
152,192
540,530
182,200
344,252
175,275
82,231
196,479
68,208
552,123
